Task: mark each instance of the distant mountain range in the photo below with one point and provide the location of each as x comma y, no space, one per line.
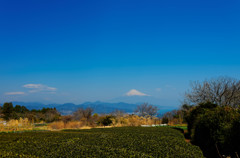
144,99
99,107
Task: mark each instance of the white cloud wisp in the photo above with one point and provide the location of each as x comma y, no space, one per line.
14,93
39,88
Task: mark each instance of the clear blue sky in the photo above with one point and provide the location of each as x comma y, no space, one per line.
76,51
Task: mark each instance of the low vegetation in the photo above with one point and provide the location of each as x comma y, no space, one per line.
108,142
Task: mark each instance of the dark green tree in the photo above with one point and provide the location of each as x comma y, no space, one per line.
164,120
192,115
0,111
7,110
18,109
24,109
216,132
106,120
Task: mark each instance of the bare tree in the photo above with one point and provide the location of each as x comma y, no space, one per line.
118,113
83,113
52,115
146,109
223,91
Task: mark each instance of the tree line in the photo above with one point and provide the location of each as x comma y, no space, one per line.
86,116
8,112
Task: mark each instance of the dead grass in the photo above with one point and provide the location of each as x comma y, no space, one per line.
16,125
69,125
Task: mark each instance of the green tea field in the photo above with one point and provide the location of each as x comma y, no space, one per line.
110,142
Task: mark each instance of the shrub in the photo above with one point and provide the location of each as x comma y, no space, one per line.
57,125
216,132
73,125
192,116
106,120
164,120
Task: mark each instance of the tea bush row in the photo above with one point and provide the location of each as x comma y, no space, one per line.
110,142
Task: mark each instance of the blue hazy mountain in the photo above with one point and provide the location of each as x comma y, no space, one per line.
32,105
99,107
146,99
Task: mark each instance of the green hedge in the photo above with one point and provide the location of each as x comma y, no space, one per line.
110,142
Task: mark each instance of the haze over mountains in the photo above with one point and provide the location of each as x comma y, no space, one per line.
99,107
126,103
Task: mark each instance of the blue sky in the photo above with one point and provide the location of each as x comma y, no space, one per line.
77,51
